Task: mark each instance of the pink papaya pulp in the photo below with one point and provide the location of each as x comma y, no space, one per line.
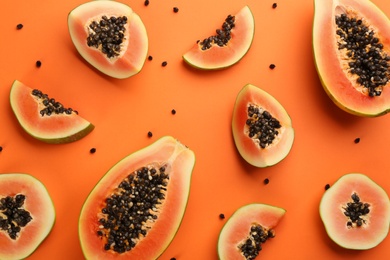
110,36
227,47
45,118
246,230
136,208
20,235
351,43
356,212
262,129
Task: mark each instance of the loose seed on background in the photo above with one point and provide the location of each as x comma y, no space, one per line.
173,111
272,66
93,150
150,57
266,181
221,216
357,140
19,26
327,186
175,9
38,63
1,148
164,63
150,134
146,3
274,5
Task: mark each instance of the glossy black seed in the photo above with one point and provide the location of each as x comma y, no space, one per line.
1,148
367,59
272,66
150,57
38,63
266,181
92,150
175,9
274,5
150,134
173,111
146,3
221,216
19,26
164,63
327,186
357,140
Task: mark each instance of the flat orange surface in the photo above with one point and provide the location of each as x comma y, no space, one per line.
123,112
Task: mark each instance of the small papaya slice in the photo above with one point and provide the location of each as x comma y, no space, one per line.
245,232
351,43
355,211
227,46
262,129
110,36
27,215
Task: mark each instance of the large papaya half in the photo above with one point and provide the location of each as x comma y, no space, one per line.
110,36
227,46
351,43
245,232
27,215
262,129
135,210
45,118
356,212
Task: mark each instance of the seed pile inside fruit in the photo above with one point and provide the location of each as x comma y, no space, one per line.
251,246
363,52
107,35
223,35
262,126
50,104
130,212
356,211
12,215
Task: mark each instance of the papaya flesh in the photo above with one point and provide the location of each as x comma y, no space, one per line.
356,212
351,44
28,197
227,47
45,118
256,113
247,229
136,208
120,51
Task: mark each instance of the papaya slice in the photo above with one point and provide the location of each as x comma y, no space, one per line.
228,46
136,208
27,215
44,118
110,36
356,212
245,232
351,43
262,129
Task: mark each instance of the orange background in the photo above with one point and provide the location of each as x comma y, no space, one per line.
123,111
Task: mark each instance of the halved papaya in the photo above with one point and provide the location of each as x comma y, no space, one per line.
110,36
44,118
262,129
356,212
228,46
351,43
27,215
135,210
247,229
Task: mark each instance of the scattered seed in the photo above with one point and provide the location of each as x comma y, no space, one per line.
272,66
150,57
19,26
1,148
146,3
274,5
357,140
173,111
93,150
164,63
327,186
175,9
150,134
38,63
221,216
173,258
266,181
